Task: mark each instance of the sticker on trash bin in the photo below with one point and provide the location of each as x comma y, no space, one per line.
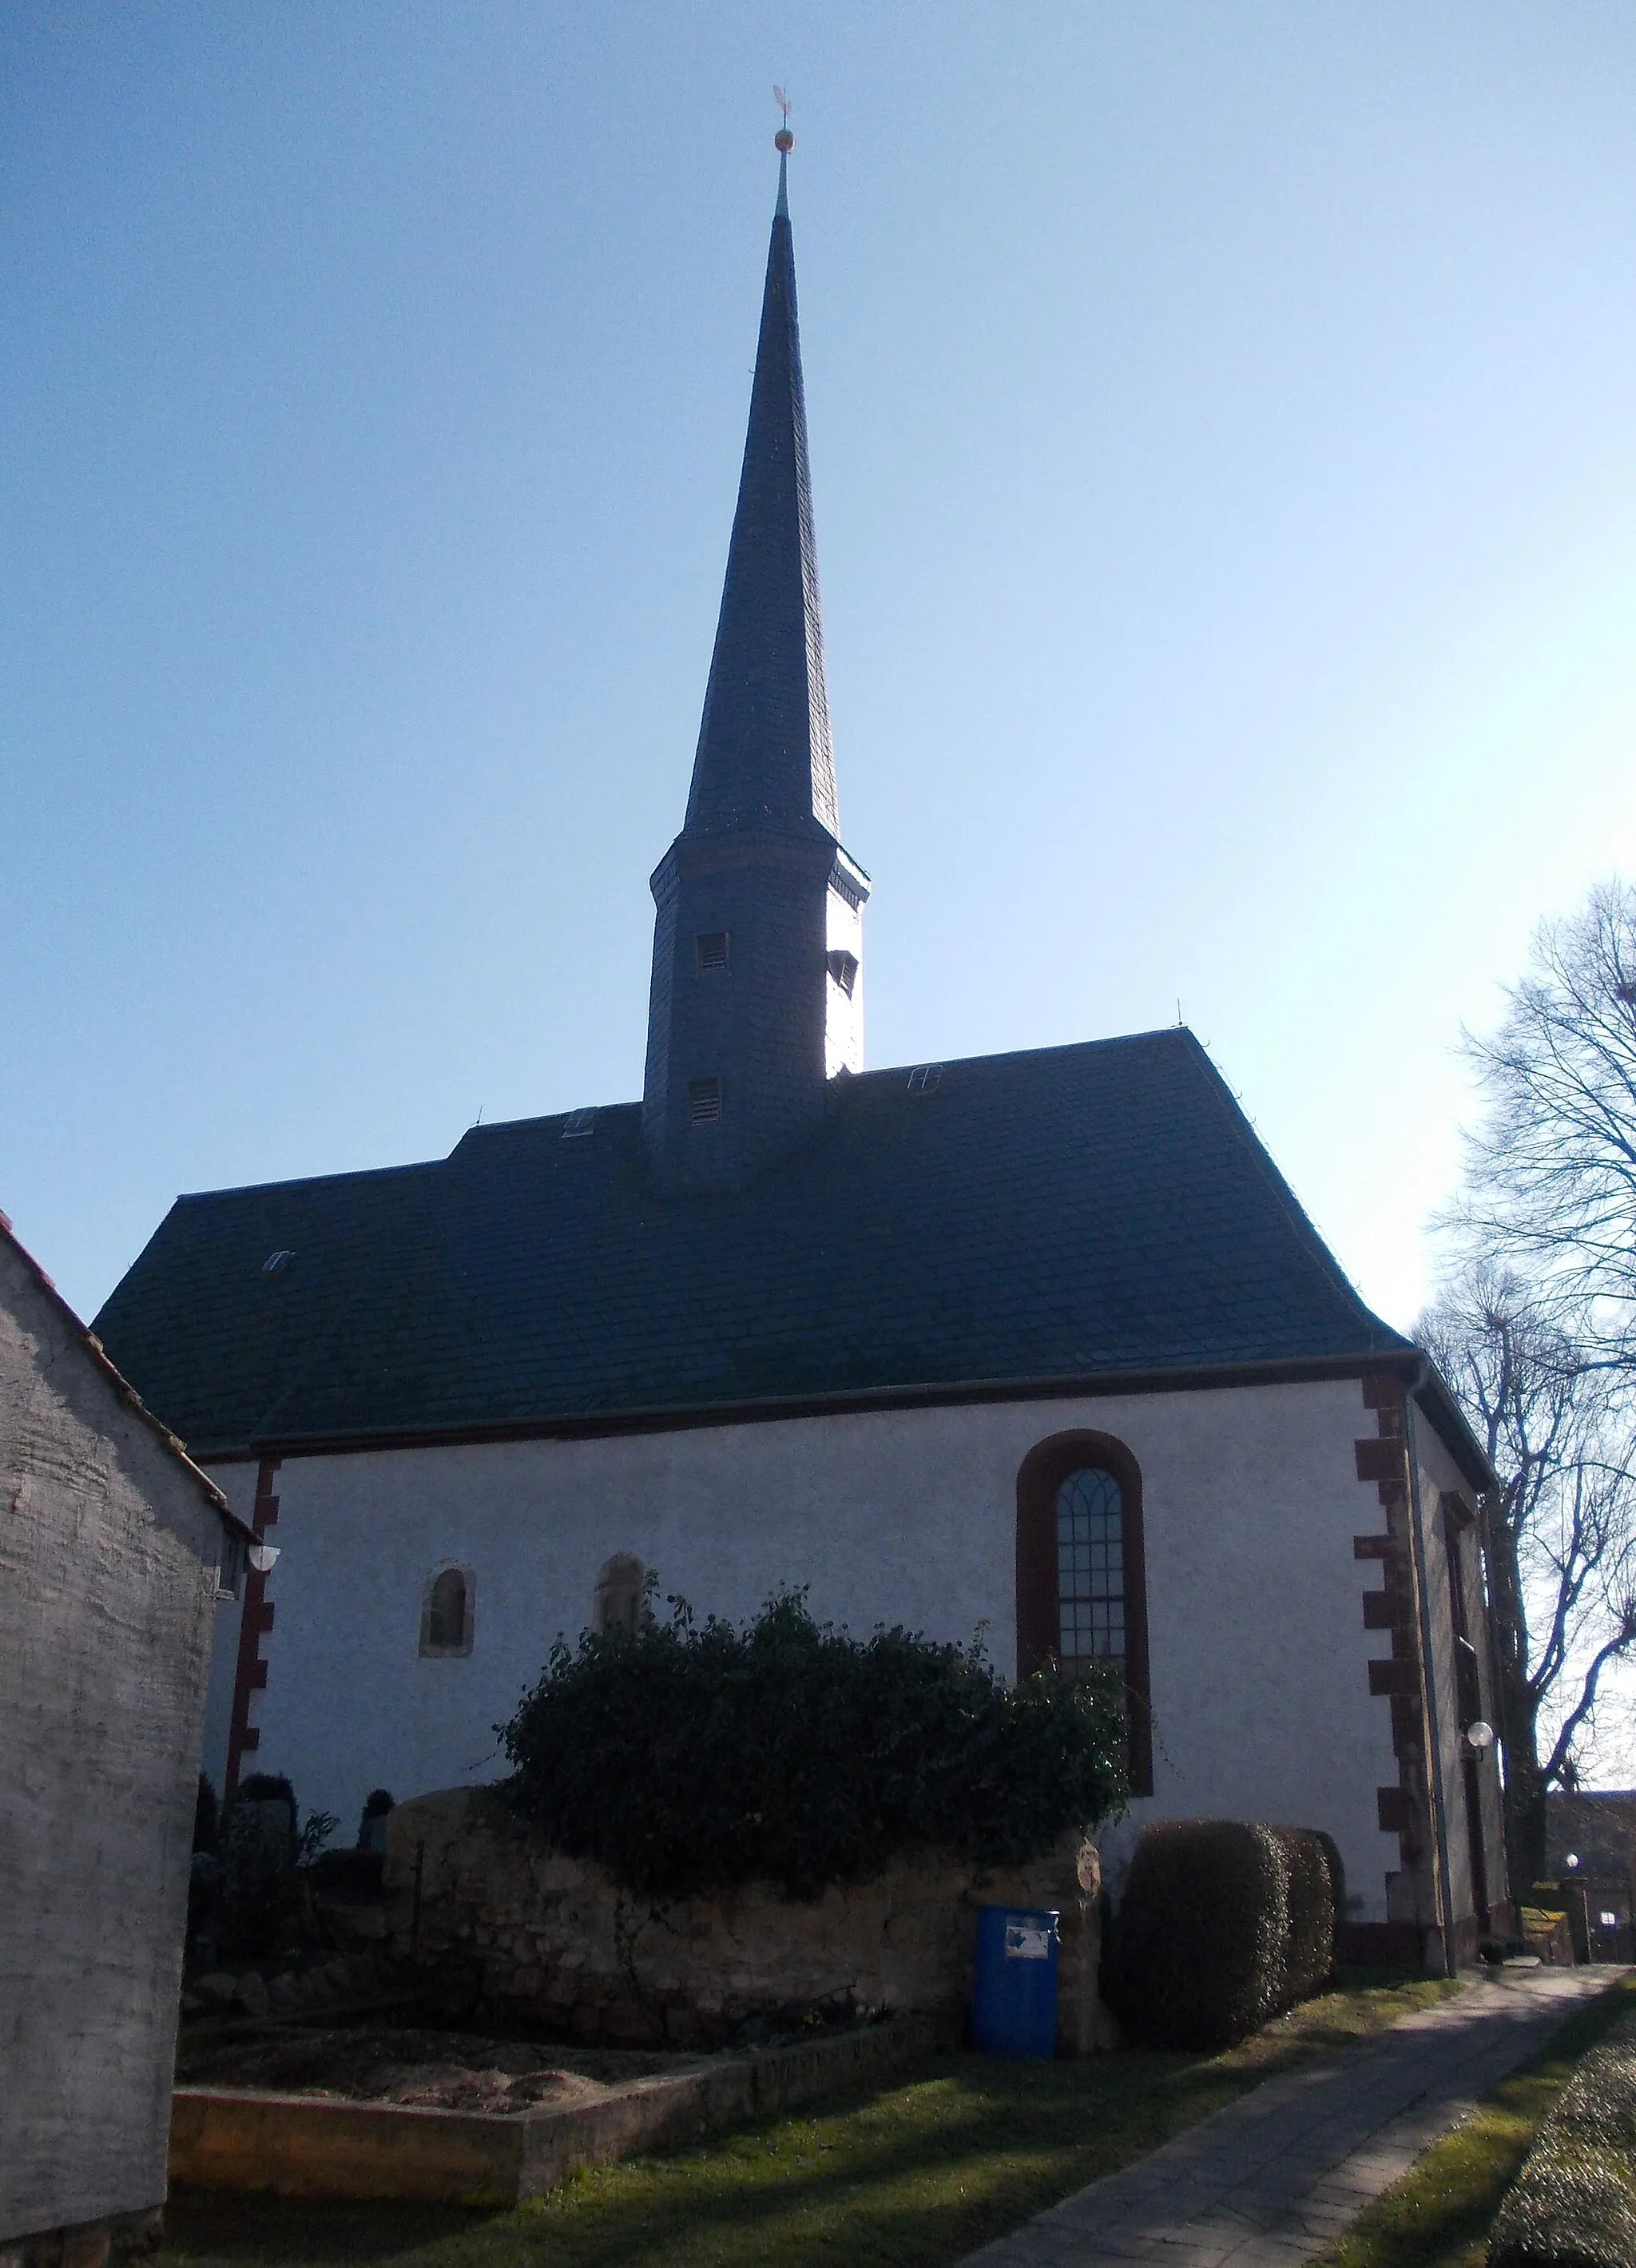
1025,1942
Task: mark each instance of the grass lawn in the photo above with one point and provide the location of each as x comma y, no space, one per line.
919,2171
1439,2216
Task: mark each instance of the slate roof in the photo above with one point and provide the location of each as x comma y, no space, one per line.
764,755
1067,1212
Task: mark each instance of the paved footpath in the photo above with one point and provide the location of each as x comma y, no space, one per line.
1278,2174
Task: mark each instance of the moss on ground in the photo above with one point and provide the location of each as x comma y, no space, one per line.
918,2171
1439,2216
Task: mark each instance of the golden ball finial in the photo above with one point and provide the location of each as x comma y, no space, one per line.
784,141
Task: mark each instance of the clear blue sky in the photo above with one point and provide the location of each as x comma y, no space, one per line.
1225,481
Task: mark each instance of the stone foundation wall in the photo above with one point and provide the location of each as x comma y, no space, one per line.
558,1941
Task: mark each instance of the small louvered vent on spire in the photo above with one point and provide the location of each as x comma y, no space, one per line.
704,1101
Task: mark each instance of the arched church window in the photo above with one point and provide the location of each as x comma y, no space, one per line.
1080,1593
621,1594
446,1613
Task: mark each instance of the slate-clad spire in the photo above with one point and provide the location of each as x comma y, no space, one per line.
757,993
763,750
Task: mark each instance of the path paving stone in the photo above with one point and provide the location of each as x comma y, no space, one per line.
1276,2177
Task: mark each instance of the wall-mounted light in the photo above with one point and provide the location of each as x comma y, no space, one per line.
263,1556
1479,1735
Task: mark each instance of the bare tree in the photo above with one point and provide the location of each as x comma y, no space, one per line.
1550,1173
1561,1532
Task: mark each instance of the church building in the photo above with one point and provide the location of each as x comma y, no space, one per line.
1036,1345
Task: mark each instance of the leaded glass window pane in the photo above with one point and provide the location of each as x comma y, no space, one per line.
1090,1567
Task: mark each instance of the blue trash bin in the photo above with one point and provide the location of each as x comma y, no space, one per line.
1014,1983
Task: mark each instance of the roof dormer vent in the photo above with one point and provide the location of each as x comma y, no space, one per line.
275,1262
923,1079
577,1124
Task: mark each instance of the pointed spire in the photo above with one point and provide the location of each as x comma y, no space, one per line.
764,757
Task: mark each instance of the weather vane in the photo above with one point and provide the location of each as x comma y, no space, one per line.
783,140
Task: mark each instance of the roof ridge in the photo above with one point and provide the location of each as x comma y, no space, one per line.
1167,1032
311,1180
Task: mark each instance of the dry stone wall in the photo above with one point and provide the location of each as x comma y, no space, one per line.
558,1941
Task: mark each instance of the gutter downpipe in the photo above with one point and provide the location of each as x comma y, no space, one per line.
1439,1806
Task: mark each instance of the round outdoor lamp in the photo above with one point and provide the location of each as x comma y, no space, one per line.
1479,1735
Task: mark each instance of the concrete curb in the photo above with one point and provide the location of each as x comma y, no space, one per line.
307,2146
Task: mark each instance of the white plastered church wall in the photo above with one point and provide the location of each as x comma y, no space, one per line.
1258,1655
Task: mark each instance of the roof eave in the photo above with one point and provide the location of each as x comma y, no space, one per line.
1404,1361
1436,1397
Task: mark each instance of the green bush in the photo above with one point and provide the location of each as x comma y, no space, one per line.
690,1757
1222,1925
1573,2204
1315,1897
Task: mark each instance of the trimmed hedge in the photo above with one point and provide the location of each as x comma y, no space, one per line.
1222,1925
1574,2205
687,1759
1316,1899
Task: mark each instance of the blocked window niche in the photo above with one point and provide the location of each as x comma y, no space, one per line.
446,1613
621,1601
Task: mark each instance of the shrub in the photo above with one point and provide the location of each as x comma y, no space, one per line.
688,1758
1221,1926
1316,1899
1573,2204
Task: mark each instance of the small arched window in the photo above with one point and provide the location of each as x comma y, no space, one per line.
1080,1594
621,1594
446,1613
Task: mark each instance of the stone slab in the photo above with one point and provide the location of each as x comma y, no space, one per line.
311,2146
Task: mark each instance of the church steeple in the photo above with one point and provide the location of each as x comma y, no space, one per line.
757,995
764,748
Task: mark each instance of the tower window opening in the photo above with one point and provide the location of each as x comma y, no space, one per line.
704,1101
844,968
709,948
